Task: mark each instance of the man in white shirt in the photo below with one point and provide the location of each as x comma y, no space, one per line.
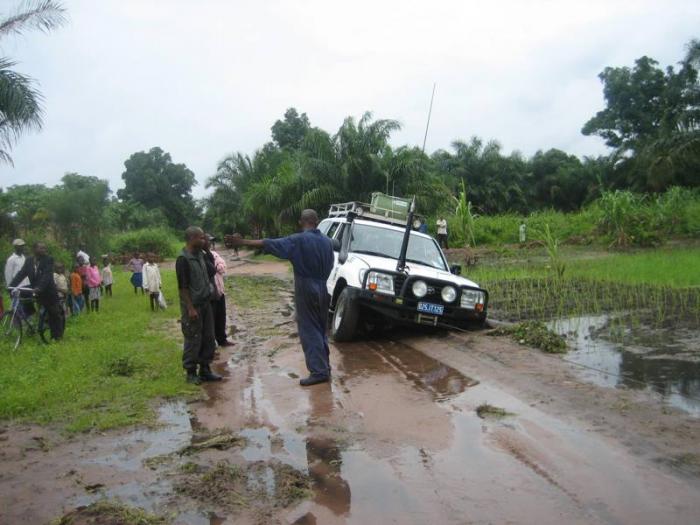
442,232
15,262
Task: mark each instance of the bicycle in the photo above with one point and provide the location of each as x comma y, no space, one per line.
15,322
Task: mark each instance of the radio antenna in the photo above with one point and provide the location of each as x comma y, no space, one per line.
430,112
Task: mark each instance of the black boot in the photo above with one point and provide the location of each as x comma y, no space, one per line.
314,380
192,377
205,374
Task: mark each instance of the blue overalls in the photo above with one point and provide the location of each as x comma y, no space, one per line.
311,255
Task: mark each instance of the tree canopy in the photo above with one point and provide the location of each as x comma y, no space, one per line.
154,181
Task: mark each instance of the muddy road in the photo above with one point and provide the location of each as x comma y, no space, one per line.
395,438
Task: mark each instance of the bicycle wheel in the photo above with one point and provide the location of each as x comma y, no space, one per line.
11,330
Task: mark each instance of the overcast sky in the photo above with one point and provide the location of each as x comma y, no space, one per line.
202,79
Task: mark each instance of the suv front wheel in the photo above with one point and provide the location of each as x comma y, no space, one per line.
345,317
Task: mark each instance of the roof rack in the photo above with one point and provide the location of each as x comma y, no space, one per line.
362,211
384,208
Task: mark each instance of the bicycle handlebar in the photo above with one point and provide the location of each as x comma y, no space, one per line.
20,288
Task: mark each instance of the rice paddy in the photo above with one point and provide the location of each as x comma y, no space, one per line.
631,320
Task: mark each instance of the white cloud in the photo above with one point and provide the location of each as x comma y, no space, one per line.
202,79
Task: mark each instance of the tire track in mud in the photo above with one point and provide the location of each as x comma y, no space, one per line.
434,380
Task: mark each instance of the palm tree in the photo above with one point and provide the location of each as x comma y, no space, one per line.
20,102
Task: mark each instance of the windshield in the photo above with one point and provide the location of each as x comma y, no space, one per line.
374,240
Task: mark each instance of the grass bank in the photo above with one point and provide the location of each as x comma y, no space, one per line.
676,267
106,372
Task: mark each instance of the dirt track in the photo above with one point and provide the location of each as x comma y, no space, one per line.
394,438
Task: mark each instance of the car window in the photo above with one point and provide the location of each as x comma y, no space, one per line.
323,227
384,242
331,231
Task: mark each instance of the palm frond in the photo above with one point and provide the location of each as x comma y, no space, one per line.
20,108
43,15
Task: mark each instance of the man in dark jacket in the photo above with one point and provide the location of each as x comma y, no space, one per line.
39,270
311,255
194,285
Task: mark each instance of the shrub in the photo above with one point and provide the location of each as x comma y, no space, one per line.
160,241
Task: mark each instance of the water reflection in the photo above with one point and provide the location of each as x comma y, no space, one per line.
622,352
324,457
423,371
325,460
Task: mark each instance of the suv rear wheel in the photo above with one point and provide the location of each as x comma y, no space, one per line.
345,316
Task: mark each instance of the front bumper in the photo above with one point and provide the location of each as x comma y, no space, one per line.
405,310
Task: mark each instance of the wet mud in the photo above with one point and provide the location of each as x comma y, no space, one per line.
394,438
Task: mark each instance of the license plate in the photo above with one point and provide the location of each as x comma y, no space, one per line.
430,308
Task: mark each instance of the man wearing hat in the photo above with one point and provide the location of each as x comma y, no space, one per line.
13,266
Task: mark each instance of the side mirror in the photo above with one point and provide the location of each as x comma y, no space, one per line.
456,269
336,245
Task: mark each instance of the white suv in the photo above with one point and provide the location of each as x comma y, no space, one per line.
365,284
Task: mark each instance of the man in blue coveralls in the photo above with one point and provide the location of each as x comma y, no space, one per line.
311,255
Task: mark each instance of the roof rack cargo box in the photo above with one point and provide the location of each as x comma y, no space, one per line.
389,206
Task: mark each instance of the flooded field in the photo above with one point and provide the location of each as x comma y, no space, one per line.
620,335
624,352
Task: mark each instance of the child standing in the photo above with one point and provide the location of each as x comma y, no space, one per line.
107,277
94,280
152,280
59,279
135,265
76,290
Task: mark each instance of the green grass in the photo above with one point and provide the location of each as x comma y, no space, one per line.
106,372
254,292
676,267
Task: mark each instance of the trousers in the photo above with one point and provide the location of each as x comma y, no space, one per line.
219,309
198,348
312,301
54,314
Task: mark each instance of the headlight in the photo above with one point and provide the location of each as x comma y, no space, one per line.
380,282
449,294
470,298
419,289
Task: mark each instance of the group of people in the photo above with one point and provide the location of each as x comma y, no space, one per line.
61,293
87,283
145,276
200,272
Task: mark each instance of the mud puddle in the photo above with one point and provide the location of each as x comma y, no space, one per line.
625,351
119,466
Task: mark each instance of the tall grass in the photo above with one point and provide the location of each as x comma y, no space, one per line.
617,219
465,218
160,241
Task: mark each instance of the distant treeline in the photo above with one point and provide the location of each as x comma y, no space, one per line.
651,122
